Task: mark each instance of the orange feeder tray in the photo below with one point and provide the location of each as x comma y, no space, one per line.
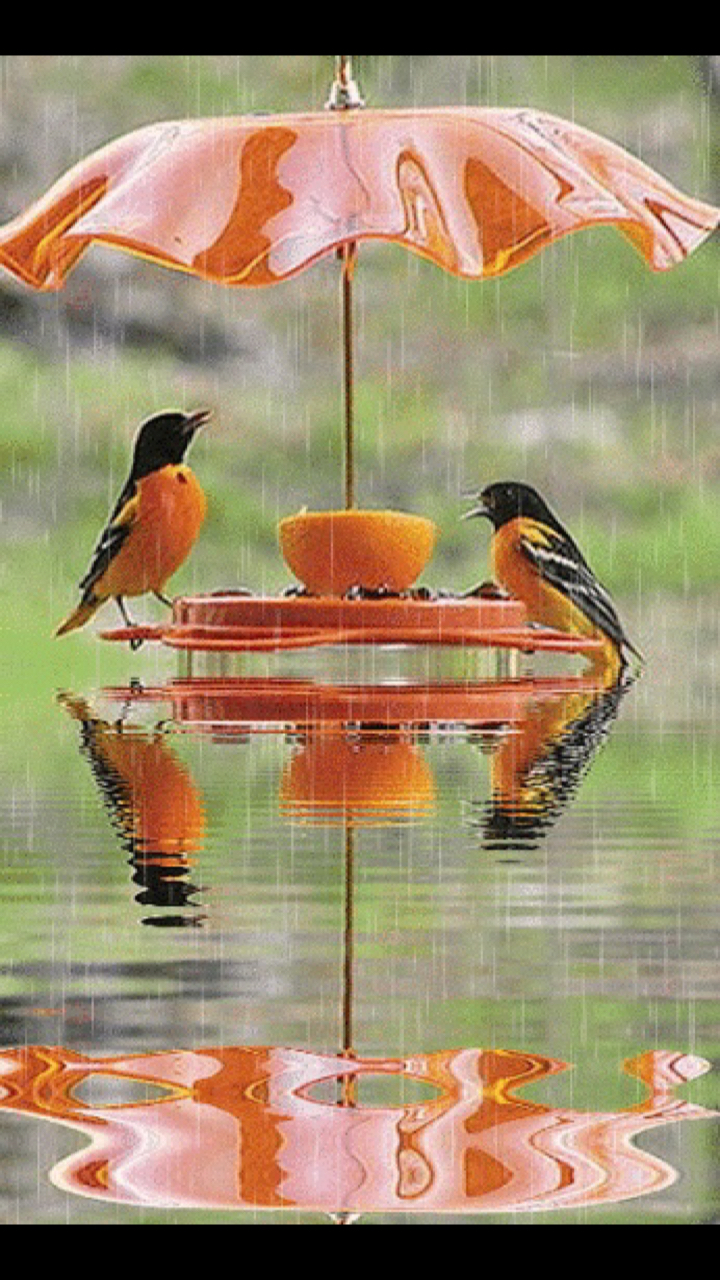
240,623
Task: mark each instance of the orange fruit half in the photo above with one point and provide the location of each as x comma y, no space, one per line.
332,551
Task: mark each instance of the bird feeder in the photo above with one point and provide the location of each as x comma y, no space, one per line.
251,201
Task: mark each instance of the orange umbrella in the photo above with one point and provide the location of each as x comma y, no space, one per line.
253,200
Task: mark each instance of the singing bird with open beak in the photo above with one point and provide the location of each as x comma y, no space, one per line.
153,525
535,559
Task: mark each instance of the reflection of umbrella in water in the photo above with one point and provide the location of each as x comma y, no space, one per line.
273,1127
254,200
251,1127
281,1128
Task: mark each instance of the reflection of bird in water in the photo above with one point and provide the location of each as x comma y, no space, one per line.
153,803
536,560
153,524
536,770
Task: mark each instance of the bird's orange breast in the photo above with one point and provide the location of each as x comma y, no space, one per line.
171,508
545,604
513,570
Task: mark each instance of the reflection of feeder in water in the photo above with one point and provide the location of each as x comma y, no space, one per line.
355,757
252,201
154,805
220,707
360,758
252,1128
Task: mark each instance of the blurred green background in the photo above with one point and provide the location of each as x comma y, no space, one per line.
582,371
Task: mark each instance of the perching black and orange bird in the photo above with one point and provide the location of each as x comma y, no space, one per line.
154,522
535,559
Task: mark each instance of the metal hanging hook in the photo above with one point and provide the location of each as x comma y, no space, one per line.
344,92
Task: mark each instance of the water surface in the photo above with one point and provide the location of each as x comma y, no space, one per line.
439,970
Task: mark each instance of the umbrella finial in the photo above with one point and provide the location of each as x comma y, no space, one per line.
344,92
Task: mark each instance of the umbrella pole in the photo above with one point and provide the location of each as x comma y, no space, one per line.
349,258
344,94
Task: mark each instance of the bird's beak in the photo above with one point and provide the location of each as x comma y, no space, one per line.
479,509
196,420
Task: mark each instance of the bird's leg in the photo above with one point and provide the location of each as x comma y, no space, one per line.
125,615
163,599
136,641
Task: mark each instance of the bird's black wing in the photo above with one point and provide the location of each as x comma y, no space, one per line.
113,536
561,564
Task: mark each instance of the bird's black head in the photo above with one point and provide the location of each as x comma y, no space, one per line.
163,440
507,499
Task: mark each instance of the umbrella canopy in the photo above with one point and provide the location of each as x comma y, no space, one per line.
254,200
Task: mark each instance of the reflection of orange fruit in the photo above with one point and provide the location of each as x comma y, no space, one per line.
367,782
332,551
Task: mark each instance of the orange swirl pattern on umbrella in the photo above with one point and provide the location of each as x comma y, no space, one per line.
251,201
244,1128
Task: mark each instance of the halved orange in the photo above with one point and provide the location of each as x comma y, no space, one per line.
332,551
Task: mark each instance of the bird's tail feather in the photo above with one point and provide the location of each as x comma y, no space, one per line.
79,616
